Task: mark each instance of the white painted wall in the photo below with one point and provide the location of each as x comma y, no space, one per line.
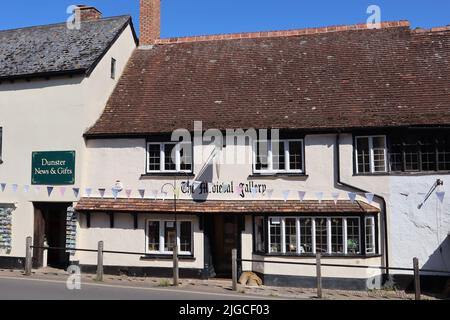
50,115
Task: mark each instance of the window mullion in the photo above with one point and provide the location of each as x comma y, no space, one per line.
287,159
178,157
297,227
371,155
162,157
313,237
269,156
268,236
283,235
345,235
329,249
161,236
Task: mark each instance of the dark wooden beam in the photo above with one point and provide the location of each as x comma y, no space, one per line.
88,220
111,220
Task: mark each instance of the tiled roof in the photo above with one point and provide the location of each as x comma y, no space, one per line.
324,80
55,49
215,206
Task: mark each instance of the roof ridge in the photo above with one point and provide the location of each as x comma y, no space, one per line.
63,23
282,33
431,30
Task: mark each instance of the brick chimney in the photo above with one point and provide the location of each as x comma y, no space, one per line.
87,13
150,21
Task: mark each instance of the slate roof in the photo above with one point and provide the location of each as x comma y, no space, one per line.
216,206
55,49
346,79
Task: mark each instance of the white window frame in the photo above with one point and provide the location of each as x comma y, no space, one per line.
374,239
1,143
313,234
162,159
270,169
162,226
371,154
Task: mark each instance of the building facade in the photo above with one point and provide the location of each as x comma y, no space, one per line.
54,83
281,145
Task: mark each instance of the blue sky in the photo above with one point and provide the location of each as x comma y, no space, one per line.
195,17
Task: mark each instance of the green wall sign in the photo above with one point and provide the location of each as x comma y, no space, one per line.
53,168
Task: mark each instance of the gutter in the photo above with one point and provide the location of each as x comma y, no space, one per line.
383,210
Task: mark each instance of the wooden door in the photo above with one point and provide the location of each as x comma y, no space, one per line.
226,235
38,238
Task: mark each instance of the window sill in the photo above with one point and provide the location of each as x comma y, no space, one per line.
155,257
400,174
277,175
309,255
168,174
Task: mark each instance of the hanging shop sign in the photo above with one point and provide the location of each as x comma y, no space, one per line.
53,168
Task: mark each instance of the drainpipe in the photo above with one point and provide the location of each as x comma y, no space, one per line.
383,211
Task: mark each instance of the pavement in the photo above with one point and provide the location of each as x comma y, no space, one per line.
51,284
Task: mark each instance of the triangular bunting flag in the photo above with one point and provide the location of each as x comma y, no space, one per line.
301,195
352,196
88,192
286,195
177,193
142,193
26,189
254,192
49,191
14,187
440,196
128,193
37,189
319,196
164,196
369,197
239,189
115,193
155,194
62,191
335,196
76,192
102,191
269,193
3,186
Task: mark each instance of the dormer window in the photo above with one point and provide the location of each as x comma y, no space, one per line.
371,154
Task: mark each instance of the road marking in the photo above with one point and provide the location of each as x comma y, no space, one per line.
141,288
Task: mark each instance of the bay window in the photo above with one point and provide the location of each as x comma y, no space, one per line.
283,156
169,157
324,235
162,236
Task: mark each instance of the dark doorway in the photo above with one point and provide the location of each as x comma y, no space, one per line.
50,230
225,236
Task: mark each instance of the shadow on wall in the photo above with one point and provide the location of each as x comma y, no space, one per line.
206,176
431,283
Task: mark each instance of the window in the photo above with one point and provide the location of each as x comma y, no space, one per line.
324,235
169,157
259,234
275,235
306,244
153,236
371,154
353,237
278,157
185,236
337,235
113,68
291,235
321,236
419,152
370,235
163,235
